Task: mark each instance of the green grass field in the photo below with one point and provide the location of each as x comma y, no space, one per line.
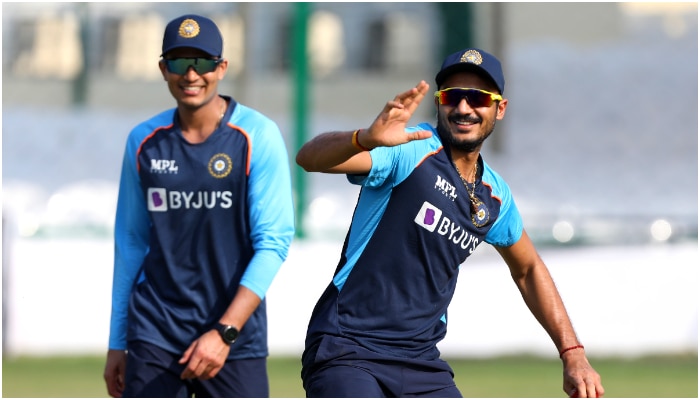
659,376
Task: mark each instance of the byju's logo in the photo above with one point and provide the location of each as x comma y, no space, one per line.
163,166
160,200
157,199
431,218
428,216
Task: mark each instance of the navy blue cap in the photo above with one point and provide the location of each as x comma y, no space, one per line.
193,31
469,60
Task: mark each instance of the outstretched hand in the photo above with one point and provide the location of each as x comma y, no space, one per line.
388,129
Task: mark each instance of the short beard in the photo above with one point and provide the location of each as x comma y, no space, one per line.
468,146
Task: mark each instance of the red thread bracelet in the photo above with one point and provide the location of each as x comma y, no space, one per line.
356,141
578,346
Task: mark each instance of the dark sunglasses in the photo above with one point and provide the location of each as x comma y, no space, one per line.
201,65
475,97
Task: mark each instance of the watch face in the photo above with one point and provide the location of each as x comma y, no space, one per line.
231,334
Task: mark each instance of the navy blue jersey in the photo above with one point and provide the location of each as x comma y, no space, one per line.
195,221
411,230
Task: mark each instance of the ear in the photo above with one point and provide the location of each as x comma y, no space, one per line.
163,70
222,68
501,112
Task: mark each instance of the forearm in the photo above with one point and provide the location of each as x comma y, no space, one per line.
544,301
241,308
332,152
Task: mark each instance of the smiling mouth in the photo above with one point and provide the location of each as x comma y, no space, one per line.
191,89
464,123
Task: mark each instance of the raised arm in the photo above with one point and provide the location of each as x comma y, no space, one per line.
340,152
544,301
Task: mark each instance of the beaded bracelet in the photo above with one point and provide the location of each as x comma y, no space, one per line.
578,346
356,141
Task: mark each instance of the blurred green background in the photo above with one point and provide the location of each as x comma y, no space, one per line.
500,377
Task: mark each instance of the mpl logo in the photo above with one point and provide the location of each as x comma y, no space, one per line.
163,166
428,216
446,188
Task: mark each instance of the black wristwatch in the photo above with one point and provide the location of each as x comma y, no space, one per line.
228,333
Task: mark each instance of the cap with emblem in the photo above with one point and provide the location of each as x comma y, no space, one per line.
472,59
193,31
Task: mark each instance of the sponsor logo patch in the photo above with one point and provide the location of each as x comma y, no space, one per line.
157,199
161,200
428,216
432,219
446,188
163,166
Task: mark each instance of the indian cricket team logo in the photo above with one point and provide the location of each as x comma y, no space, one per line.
189,28
220,165
481,216
428,216
471,56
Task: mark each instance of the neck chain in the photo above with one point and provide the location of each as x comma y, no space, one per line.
223,112
479,211
472,197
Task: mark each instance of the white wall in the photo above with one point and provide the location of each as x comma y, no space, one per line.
627,301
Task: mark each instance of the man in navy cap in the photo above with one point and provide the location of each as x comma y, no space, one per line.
204,221
427,200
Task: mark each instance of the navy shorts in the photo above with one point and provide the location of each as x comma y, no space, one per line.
341,368
154,372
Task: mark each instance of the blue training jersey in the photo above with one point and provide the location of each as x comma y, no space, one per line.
411,230
195,221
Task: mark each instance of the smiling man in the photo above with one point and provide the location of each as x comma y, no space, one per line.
204,221
427,200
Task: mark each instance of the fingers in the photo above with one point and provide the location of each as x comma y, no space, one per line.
201,368
599,390
411,98
580,379
203,360
419,135
187,354
590,389
115,384
114,390
114,372
408,101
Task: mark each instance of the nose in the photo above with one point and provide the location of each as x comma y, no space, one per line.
464,107
191,73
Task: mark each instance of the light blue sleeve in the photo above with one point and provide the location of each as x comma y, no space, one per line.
508,228
131,237
270,198
391,165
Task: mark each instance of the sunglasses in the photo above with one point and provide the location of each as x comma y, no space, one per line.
201,65
475,97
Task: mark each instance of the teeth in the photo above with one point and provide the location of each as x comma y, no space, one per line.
464,122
